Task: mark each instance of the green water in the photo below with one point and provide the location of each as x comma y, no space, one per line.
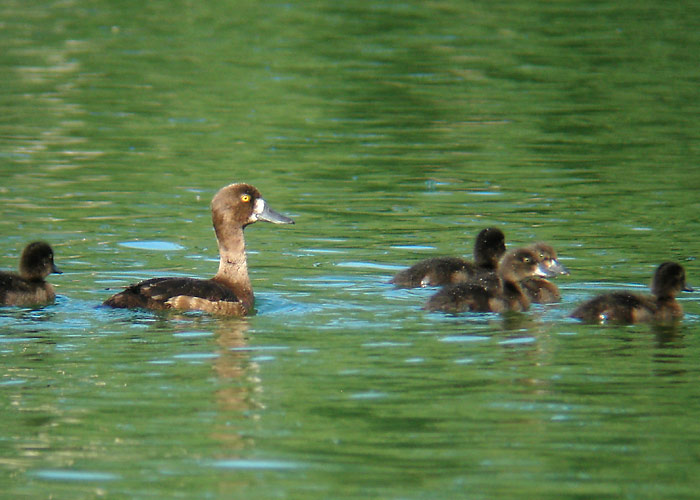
390,131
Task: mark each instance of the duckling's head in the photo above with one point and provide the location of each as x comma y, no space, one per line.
548,256
522,263
36,262
240,205
489,247
669,279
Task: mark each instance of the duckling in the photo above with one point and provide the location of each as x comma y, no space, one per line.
29,286
541,290
488,249
515,266
229,292
625,307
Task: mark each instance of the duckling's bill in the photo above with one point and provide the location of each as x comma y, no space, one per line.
558,268
543,271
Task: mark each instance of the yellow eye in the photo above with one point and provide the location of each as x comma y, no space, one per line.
245,198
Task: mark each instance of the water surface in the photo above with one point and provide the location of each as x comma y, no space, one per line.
391,132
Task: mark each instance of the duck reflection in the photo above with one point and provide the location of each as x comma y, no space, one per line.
238,384
233,364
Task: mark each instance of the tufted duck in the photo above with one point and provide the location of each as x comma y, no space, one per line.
488,249
626,307
515,266
541,290
229,292
28,287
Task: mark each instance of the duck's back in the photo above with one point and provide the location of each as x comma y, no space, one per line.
180,293
461,297
437,271
619,307
17,291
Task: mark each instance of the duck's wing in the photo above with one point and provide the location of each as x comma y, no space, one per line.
436,271
10,284
179,293
461,297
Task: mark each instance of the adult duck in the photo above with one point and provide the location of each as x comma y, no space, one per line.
229,292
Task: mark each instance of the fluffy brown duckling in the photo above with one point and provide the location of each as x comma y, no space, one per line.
541,290
29,286
489,247
626,307
229,292
514,267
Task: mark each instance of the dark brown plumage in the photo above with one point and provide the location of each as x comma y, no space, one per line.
507,295
489,247
541,290
625,307
29,286
229,292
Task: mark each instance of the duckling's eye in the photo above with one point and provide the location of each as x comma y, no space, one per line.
245,198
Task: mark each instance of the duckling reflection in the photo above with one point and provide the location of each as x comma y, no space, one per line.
626,307
29,287
668,335
489,247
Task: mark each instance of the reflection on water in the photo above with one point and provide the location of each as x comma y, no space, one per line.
115,412
391,132
240,385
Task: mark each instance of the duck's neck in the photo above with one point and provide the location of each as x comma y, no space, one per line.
233,265
33,278
32,275
665,299
486,264
667,308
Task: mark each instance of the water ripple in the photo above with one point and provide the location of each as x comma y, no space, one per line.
75,475
256,464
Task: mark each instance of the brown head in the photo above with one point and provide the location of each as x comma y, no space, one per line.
521,263
669,279
36,262
548,257
237,205
489,247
